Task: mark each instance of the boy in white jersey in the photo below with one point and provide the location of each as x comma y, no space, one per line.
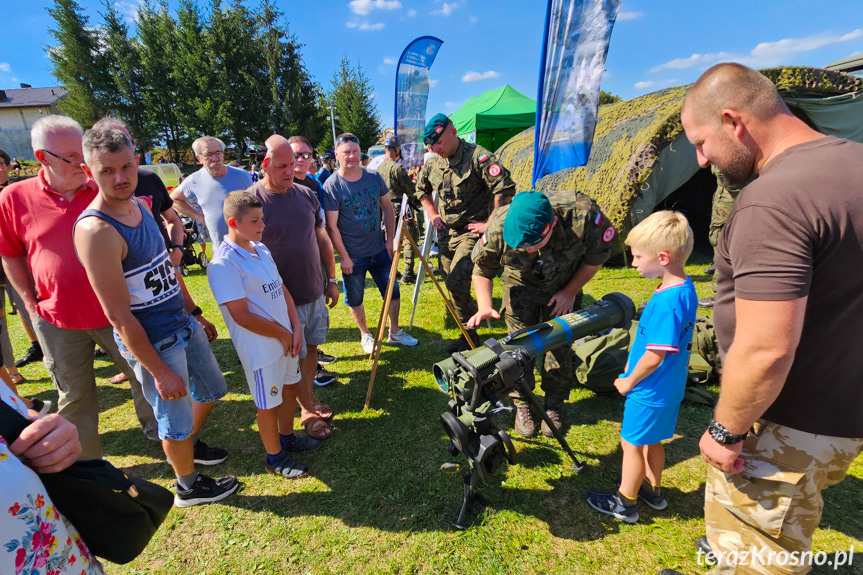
262,320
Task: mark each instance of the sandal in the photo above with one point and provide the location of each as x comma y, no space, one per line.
17,378
316,427
322,410
119,378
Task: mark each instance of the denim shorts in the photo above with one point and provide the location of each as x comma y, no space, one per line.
315,320
355,284
187,352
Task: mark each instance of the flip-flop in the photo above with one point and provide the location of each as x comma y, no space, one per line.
316,427
119,378
17,378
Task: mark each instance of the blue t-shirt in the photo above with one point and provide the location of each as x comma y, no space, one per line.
210,194
323,175
666,324
359,207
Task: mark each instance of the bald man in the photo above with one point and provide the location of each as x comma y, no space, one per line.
788,423
295,234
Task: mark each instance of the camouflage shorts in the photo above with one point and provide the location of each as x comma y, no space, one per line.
775,504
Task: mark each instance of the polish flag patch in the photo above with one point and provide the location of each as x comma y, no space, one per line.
608,235
494,170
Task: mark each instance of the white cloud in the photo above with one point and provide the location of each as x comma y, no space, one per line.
433,83
4,67
365,26
781,52
473,19
452,105
15,79
472,76
629,16
129,9
365,7
642,85
390,61
446,9
412,13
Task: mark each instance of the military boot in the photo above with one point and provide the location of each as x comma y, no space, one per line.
555,415
461,343
524,424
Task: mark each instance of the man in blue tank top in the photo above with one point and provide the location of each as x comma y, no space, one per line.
119,244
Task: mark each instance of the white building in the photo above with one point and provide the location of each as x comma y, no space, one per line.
19,109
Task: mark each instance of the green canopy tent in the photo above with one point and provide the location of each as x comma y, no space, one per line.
494,117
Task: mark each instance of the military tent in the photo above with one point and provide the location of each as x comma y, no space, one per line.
641,160
494,117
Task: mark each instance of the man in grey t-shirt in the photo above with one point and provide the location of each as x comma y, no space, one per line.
210,185
353,200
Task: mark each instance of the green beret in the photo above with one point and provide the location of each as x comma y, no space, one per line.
528,219
434,129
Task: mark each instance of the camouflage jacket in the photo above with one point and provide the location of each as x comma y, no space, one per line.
466,184
397,180
723,201
582,235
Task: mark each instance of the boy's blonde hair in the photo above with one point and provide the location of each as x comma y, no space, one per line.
663,231
238,204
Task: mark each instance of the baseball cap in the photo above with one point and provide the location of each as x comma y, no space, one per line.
528,219
434,129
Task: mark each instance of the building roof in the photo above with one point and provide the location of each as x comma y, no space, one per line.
854,64
30,97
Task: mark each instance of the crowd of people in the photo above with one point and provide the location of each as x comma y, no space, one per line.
787,424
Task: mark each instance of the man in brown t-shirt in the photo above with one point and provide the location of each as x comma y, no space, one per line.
296,237
788,315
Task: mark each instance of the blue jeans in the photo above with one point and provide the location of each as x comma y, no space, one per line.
354,283
187,352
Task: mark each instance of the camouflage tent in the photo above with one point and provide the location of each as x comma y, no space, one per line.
641,159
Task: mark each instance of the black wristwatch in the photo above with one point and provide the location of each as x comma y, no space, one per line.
197,311
175,246
718,432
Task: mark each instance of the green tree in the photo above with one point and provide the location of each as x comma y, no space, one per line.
607,98
191,62
353,98
79,64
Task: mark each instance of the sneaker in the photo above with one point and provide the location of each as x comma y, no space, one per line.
289,469
323,377
368,342
205,490
39,406
554,416
706,302
524,424
401,338
609,504
710,270
657,502
301,443
325,358
206,455
670,572
33,354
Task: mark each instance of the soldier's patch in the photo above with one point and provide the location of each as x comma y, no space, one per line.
608,235
483,158
439,130
484,239
598,219
494,170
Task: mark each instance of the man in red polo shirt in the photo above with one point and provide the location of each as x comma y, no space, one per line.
36,220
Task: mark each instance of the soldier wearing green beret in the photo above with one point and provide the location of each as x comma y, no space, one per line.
400,185
549,247
470,183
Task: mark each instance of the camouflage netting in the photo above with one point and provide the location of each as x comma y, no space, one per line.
631,134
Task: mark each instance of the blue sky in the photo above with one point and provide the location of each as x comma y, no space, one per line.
655,44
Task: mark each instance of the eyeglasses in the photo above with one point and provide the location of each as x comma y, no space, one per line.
346,139
212,154
50,153
303,155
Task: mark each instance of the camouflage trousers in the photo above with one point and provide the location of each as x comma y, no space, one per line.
414,228
524,307
774,505
454,248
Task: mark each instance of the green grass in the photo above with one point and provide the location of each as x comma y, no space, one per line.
376,502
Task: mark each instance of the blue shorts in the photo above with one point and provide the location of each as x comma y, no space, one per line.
187,352
315,319
646,425
354,284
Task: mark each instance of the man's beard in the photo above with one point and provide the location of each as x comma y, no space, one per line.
740,166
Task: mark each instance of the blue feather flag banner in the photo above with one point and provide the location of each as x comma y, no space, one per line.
412,93
577,34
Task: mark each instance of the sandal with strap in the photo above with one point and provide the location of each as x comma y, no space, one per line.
17,378
316,427
322,410
119,378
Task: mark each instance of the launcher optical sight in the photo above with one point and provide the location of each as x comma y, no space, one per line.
478,379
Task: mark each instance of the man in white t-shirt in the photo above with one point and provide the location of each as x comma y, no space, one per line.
209,186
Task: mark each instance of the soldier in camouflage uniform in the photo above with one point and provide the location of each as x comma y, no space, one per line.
549,248
470,183
401,185
723,201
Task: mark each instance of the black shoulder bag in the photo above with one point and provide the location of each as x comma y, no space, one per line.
115,514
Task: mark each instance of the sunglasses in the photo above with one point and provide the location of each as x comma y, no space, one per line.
346,139
50,153
303,155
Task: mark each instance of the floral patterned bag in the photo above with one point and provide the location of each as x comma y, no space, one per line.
115,514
